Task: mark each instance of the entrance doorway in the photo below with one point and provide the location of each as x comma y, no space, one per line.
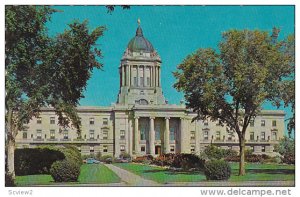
158,150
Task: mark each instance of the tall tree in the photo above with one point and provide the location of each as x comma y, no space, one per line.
42,71
231,85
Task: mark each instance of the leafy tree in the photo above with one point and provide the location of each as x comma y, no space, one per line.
111,8
286,146
42,71
231,85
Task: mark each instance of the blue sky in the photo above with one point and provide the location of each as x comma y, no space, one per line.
174,31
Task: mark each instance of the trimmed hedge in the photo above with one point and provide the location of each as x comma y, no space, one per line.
66,170
187,161
30,161
217,170
213,152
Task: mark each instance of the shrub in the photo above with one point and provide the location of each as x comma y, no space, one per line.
105,158
65,171
289,159
36,160
213,152
217,170
125,155
98,156
72,153
164,160
147,159
9,181
286,148
187,161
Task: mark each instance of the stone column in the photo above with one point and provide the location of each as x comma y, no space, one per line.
197,137
136,135
130,140
153,77
129,75
145,76
156,75
152,136
123,75
182,132
167,136
159,77
137,75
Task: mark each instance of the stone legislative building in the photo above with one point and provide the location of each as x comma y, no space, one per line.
142,122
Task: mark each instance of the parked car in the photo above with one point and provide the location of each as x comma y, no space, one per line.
108,160
91,161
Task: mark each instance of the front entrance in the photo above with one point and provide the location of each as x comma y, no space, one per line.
158,150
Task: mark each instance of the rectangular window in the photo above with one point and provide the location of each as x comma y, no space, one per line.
172,133
218,123
263,149
105,149
193,135
148,81
192,149
52,134
274,123
263,123
105,121
39,120
252,136
122,148
205,122
92,149
92,134
218,135
230,136
205,135
251,123
263,136
52,120
157,132
142,81
274,135
134,81
24,134
122,135
92,121
143,149
39,134
143,133
172,149
66,135
105,135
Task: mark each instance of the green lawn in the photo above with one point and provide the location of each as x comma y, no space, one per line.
90,173
255,172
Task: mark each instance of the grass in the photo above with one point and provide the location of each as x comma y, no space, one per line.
89,174
254,172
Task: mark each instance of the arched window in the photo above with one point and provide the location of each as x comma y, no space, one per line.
142,102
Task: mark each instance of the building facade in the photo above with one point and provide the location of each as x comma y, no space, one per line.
142,122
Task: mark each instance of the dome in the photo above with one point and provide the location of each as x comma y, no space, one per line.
139,43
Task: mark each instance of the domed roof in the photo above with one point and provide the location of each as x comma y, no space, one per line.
139,43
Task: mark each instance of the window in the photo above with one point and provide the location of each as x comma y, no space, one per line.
31,136
157,132
148,81
218,123
105,121
52,120
263,136
192,149
172,133
230,136
122,135
252,148
274,123
39,120
142,81
143,133
192,135
105,135
274,135
134,81
172,149
52,134
39,134
205,135
92,121
205,122
263,123
143,148
24,134
263,149
252,136
218,135
122,148
251,123
65,134
105,149
92,134
92,149
79,148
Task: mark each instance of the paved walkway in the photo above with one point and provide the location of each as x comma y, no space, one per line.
131,179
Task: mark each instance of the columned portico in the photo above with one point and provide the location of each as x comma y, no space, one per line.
152,136
167,136
136,135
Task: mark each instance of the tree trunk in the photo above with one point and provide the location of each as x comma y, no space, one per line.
10,145
242,171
